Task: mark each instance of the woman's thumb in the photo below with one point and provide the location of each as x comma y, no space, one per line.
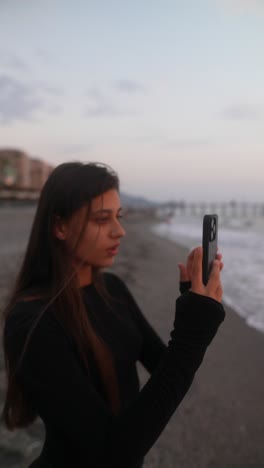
183,272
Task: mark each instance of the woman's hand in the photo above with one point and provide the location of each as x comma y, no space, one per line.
192,271
186,270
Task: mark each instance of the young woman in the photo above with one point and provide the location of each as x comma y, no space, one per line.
73,334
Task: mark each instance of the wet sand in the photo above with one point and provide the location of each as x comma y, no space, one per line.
220,423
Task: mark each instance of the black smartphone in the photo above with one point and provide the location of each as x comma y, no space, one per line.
210,234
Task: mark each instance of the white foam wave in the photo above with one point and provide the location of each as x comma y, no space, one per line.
242,246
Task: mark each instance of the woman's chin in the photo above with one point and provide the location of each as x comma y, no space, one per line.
105,264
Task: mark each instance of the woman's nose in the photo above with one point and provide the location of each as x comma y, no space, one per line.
118,230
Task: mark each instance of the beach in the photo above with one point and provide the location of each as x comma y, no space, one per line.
220,423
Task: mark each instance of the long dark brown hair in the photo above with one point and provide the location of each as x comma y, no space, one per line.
47,272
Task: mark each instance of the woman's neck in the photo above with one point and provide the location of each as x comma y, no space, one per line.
85,276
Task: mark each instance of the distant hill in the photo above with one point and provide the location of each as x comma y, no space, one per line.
136,202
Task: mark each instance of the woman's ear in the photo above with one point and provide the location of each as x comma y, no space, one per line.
60,229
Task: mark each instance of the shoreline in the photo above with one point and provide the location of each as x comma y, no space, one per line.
243,274
227,300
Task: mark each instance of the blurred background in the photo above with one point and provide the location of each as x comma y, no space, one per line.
168,93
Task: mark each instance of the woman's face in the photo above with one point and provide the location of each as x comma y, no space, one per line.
100,241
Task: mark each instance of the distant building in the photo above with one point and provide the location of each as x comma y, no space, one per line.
14,168
19,171
39,172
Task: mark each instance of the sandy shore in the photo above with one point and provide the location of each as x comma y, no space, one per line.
221,420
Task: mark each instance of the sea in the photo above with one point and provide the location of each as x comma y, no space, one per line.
241,242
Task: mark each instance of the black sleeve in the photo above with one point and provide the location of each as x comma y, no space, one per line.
66,398
185,286
153,347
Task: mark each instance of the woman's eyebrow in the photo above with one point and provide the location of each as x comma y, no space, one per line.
105,210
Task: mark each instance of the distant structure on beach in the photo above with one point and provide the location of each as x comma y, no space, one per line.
169,210
138,207
20,175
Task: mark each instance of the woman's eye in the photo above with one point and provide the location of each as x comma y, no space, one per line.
101,220
106,219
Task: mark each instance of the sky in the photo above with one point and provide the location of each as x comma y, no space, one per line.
169,93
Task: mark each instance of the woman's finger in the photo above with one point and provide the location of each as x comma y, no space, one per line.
189,264
196,277
191,256
183,272
219,293
214,278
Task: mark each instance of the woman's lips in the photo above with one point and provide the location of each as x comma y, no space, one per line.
113,250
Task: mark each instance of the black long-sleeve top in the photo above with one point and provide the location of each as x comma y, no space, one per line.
81,429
